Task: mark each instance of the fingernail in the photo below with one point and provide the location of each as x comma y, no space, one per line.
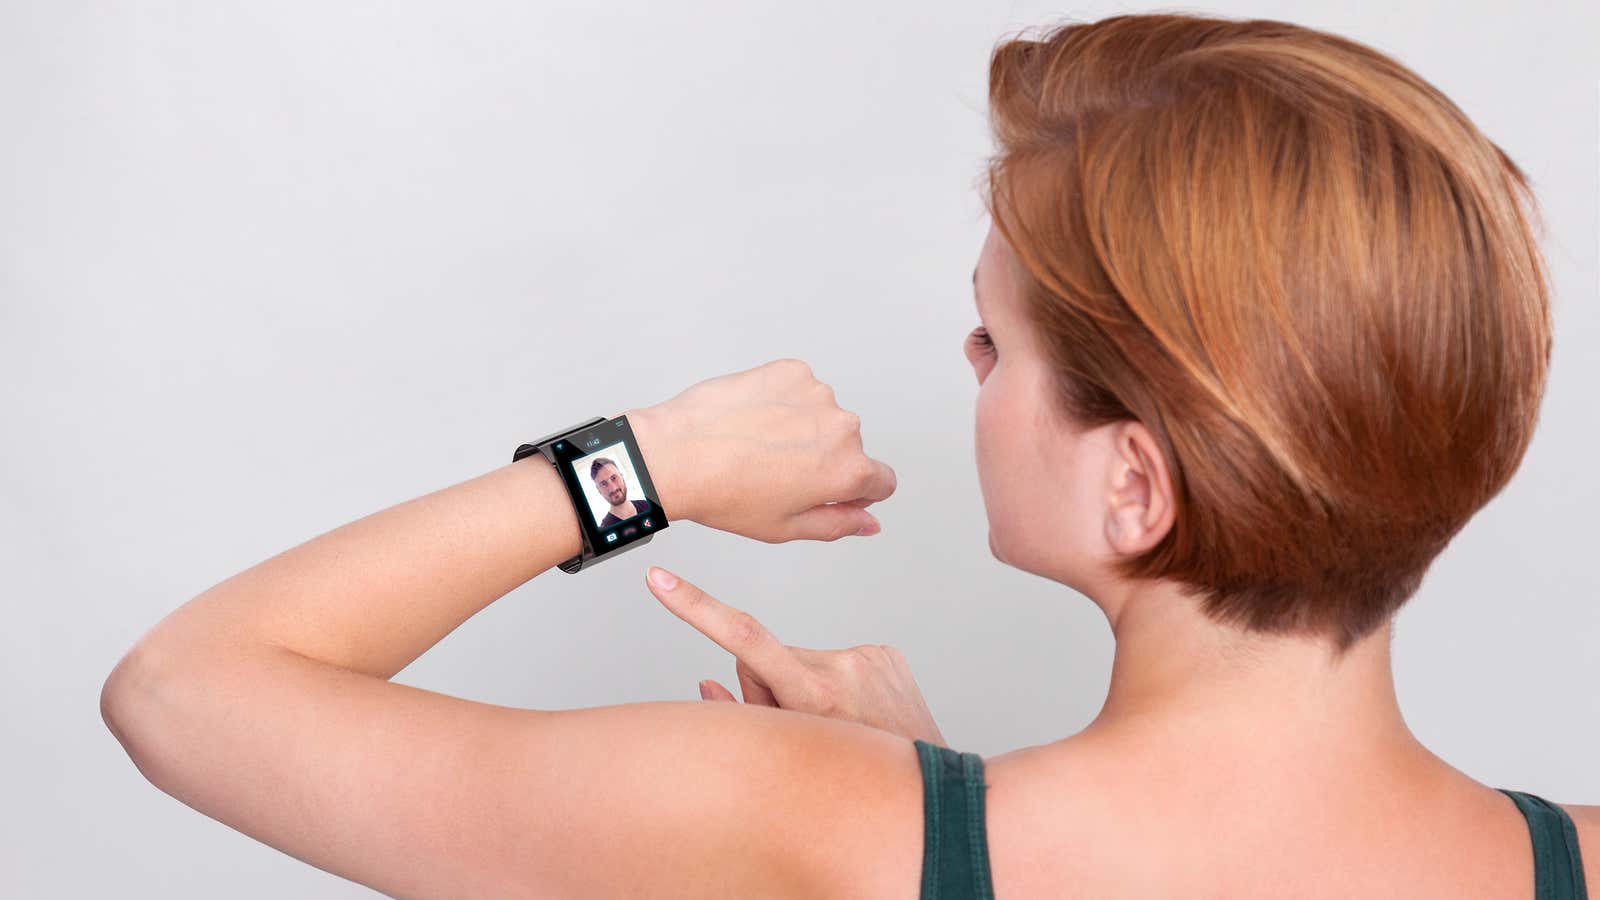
704,694
663,579
870,528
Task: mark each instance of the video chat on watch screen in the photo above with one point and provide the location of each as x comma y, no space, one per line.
611,486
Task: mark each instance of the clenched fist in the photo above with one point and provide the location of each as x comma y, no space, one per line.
766,453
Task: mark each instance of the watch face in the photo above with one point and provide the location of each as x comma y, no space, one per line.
602,465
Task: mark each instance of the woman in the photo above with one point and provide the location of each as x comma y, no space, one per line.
1263,325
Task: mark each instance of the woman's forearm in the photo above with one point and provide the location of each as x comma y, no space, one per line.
374,594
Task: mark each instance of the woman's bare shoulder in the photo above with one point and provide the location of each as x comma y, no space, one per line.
1117,821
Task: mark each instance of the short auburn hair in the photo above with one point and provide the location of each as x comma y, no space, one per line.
1303,269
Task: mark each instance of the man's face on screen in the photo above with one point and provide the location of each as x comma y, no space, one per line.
611,485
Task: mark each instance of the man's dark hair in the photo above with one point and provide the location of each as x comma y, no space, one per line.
602,461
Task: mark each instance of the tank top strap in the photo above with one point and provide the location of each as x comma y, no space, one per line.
955,841
1557,864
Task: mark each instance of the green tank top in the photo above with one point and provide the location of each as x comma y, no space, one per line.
955,843
1557,865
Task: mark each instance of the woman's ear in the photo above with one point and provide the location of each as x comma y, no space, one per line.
1140,508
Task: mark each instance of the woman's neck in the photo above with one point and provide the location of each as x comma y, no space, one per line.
1178,676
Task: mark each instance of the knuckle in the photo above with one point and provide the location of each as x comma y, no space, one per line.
825,698
693,598
838,531
859,473
744,629
797,366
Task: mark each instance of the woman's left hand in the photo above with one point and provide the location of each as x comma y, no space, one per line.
870,684
766,453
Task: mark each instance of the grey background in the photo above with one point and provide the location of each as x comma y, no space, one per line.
266,268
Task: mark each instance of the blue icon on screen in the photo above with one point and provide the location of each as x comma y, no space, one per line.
612,536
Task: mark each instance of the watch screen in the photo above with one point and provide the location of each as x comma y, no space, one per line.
602,464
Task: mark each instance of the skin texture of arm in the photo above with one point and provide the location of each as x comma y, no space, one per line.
265,703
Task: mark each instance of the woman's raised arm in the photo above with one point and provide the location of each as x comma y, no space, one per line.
265,704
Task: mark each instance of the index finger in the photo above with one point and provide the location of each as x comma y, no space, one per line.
734,630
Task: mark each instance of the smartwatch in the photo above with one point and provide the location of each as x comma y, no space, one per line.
605,476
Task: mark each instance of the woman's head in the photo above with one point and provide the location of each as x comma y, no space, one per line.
1269,318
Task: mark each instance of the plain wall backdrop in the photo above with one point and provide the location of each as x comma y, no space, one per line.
266,268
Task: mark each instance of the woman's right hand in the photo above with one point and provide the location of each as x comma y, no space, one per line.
766,453
870,684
